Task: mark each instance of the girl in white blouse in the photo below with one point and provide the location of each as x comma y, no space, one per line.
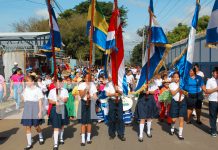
32,114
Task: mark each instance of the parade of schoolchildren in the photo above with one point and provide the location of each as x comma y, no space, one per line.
125,99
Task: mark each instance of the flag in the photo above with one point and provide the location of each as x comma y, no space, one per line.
47,48
100,26
159,49
117,52
212,29
188,59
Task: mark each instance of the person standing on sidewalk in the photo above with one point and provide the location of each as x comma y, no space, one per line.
212,90
17,85
2,88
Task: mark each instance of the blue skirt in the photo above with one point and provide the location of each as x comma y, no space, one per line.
146,107
32,122
30,114
178,109
58,120
85,113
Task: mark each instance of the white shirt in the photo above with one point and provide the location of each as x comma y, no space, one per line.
92,89
212,83
129,78
109,88
63,93
200,73
47,82
158,82
134,70
173,87
152,87
33,94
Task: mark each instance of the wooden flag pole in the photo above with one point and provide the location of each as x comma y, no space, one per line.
116,27
91,37
52,37
91,44
149,46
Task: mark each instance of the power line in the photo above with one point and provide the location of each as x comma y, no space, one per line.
34,2
169,10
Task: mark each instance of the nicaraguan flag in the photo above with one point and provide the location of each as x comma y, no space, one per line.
212,29
158,52
100,26
191,47
57,35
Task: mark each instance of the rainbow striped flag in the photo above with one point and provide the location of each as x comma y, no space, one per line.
100,26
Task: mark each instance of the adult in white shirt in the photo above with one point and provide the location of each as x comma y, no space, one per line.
146,109
178,107
198,72
130,79
212,90
58,117
87,91
115,115
32,113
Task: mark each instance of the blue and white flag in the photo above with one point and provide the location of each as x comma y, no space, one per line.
191,47
159,49
212,29
57,35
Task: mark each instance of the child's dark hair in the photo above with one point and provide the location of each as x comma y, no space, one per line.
176,73
194,70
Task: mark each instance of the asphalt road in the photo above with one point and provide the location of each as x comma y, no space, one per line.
197,137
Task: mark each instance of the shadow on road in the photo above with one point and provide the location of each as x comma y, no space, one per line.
164,126
4,136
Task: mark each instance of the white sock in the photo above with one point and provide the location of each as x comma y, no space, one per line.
88,136
61,134
180,131
29,139
148,127
141,130
83,138
40,136
56,137
172,127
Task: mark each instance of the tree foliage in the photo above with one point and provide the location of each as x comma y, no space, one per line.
72,24
178,33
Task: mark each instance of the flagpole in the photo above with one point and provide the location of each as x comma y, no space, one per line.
115,8
149,44
52,37
91,44
91,37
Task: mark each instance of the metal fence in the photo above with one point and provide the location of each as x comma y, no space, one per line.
207,58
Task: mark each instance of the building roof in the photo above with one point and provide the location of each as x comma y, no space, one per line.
25,35
10,41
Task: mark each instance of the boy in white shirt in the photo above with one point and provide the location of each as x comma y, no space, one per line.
212,90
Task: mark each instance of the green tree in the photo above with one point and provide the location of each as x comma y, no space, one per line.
72,24
202,23
178,33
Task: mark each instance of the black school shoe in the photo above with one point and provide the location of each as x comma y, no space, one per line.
121,137
83,144
181,138
61,141
89,142
112,136
41,141
28,147
140,139
55,147
149,135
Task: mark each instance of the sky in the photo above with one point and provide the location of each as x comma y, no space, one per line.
168,12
